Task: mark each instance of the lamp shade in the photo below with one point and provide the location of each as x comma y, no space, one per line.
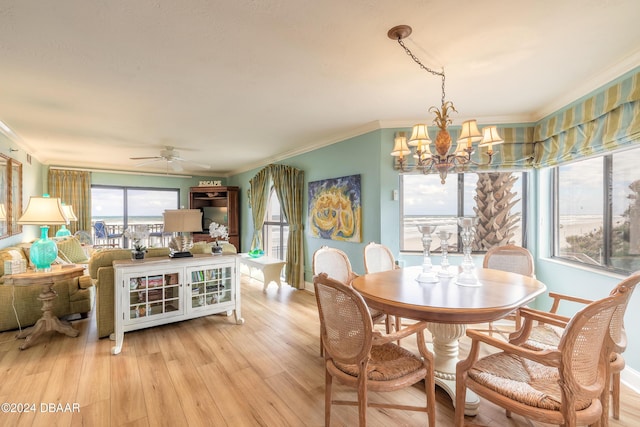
490,136
71,216
419,136
43,211
182,220
470,133
3,214
69,213
400,147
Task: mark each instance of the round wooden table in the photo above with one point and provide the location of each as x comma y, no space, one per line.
448,308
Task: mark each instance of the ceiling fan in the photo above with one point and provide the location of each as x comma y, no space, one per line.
172,157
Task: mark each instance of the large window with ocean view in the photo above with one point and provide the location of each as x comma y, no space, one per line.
496,199
275,230
122,207
598,212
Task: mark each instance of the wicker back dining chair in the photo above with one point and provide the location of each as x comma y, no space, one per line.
335,263
377,258
364,359
546,335
563,386
514,259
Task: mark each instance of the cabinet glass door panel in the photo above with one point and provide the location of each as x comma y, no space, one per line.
211,286
153,295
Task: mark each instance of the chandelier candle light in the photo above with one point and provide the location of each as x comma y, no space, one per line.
441,161
427,275
468,230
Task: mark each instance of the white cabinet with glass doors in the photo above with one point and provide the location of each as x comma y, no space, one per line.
156,291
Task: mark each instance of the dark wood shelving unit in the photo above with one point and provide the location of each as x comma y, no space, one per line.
219,204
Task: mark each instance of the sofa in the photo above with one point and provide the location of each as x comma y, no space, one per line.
20,306
103,275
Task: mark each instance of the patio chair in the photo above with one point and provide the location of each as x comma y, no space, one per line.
100,232
364,359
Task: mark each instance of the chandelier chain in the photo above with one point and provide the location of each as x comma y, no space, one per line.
424,67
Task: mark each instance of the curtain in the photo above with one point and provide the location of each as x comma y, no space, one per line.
289,185
258,199
73,188
603,122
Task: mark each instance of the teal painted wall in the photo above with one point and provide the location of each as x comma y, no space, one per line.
359,155
32,185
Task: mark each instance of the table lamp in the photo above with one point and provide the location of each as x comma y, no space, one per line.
3,214
71,216
43,211
183,221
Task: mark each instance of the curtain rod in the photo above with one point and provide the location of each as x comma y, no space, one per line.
120,172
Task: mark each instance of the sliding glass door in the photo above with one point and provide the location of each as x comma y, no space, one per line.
120,207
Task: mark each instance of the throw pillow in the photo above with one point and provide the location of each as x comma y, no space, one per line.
71,250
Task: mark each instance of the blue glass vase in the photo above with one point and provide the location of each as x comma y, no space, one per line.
63,231
43,251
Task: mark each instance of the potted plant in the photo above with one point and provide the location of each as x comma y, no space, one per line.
138,235
217,232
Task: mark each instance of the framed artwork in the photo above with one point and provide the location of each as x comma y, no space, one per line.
335,209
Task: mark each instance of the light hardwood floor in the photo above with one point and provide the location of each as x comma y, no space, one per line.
207,372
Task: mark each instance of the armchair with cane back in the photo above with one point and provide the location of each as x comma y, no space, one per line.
567,385
546,335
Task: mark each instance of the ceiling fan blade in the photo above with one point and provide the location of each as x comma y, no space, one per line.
175,165
200,165
145,158
153,159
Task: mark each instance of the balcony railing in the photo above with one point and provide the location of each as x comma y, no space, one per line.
115,235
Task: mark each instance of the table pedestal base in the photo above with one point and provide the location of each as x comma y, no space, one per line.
445,356
48,322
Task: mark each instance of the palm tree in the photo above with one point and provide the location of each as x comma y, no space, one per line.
494,200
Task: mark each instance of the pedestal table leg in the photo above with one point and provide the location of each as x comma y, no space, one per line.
48,322
445,355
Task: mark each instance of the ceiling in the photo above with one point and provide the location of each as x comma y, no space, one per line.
238,84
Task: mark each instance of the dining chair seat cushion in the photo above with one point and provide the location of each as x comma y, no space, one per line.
523,380
388,362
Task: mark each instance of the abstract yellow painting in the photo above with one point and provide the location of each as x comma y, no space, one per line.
335,209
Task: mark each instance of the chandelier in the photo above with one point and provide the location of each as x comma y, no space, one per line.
441,161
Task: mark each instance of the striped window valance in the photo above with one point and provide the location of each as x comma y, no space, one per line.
516,153
603,122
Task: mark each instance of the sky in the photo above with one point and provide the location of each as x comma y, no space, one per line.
109,202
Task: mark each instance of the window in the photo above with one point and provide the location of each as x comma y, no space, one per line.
275,230
426,200
598,212
120,207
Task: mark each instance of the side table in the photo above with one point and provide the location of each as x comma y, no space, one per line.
271,268
48,322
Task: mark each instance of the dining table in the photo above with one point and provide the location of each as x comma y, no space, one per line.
448,308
